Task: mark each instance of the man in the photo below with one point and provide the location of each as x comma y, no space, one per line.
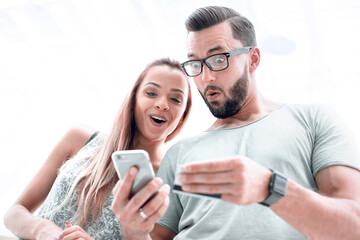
282,171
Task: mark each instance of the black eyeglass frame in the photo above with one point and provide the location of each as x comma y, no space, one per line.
227,54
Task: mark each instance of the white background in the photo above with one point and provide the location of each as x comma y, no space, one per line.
70,62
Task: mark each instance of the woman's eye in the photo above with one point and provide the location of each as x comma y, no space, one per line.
151,94
176,100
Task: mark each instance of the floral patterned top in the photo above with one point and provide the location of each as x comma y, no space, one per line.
106,225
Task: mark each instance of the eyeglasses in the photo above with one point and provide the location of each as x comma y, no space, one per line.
216,62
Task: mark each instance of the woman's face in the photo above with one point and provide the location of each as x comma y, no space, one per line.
160,102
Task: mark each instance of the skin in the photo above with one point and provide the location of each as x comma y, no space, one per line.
163,93
19,218
73,232
161,99
165,106
332,213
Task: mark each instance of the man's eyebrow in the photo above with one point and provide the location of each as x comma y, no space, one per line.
172,89
211,50
189,55
214,49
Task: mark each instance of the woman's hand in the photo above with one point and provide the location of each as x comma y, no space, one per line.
45,230
136,220
74,232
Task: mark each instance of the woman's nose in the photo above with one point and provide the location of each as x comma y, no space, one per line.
162,105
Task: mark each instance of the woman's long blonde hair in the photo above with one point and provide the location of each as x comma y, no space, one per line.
97,180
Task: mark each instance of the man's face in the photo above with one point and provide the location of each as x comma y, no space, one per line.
225,91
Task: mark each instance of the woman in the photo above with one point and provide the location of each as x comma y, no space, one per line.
80,193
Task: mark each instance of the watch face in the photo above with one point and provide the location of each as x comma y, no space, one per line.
279,185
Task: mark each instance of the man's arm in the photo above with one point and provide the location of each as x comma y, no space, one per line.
333,213
162,233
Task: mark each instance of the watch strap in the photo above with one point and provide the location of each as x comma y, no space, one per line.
277,188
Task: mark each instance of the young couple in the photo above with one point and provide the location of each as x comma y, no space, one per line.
282,171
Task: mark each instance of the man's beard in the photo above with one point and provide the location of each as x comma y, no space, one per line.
233,104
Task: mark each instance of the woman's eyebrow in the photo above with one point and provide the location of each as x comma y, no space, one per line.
177,90
152,83
158,86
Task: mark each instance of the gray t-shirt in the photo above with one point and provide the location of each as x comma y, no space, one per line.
296,140
106,226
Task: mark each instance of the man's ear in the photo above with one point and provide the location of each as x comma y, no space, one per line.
254,59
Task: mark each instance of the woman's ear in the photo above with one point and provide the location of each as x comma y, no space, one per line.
254,59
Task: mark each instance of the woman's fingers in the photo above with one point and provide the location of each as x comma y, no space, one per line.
122,190
141,197
156,208
74,232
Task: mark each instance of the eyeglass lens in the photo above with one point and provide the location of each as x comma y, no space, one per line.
216,62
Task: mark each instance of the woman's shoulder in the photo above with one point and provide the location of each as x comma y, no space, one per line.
75,139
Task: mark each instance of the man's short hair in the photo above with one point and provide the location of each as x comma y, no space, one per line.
206,17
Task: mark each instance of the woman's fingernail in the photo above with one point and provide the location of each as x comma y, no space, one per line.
166,188
60,236
158,181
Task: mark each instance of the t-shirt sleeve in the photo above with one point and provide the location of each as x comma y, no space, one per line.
334,143
167,174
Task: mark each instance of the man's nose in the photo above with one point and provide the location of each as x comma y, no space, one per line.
207,74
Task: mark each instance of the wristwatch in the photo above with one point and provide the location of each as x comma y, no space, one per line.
277,188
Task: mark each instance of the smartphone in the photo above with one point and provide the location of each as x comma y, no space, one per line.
177,188
124,160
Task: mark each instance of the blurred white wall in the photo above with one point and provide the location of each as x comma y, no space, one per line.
66,62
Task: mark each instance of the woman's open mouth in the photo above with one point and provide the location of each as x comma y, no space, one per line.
158,120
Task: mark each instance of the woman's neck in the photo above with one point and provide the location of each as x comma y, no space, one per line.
155,151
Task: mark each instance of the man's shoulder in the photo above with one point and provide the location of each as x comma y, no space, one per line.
305,106
318,114
312,109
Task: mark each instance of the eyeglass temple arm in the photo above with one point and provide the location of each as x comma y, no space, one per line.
240,50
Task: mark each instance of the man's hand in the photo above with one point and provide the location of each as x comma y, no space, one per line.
136,220
240,180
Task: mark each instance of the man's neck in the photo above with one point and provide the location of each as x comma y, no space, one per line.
254,108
